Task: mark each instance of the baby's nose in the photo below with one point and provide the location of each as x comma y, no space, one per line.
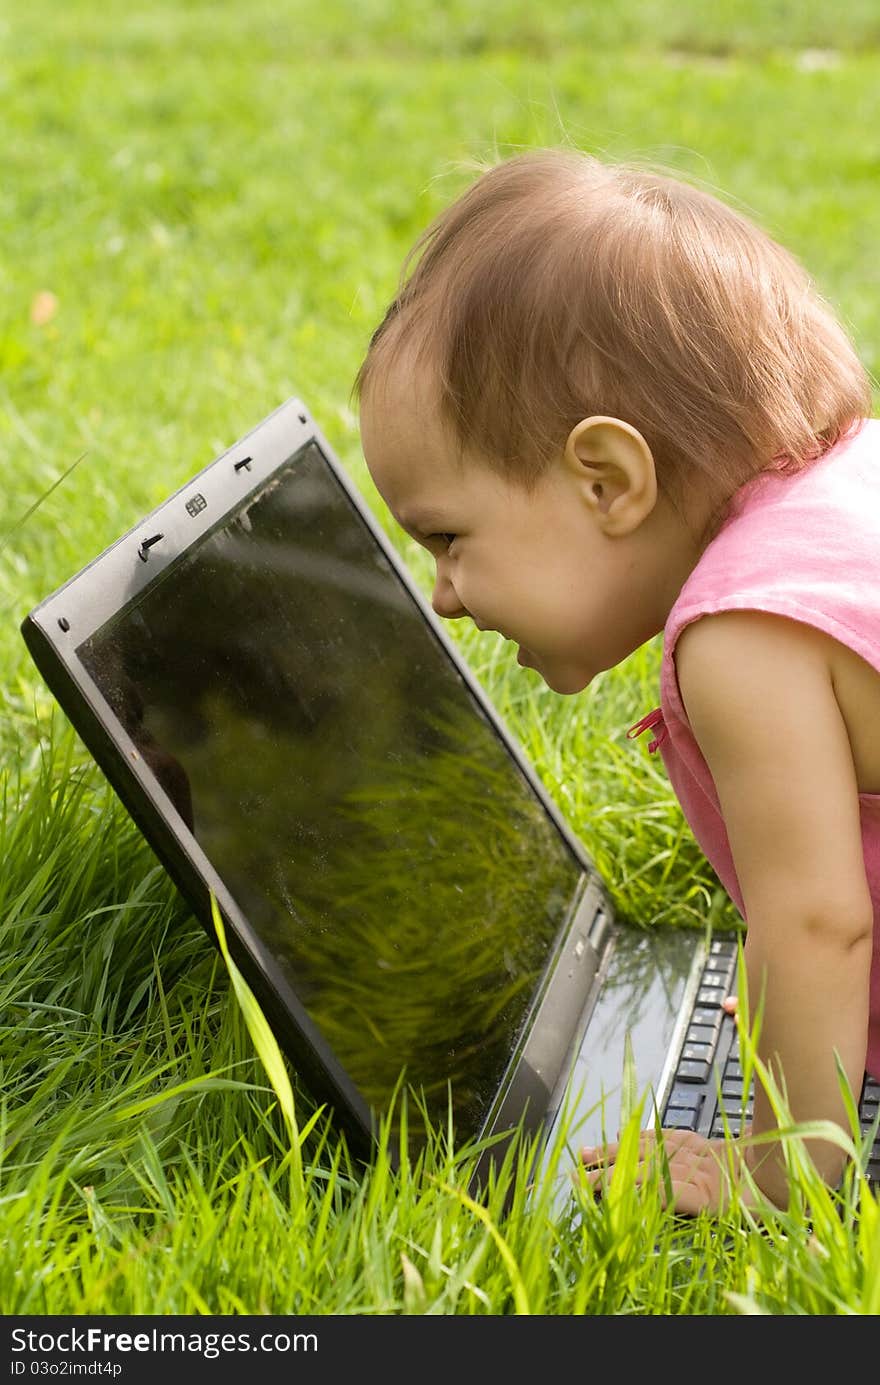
444,599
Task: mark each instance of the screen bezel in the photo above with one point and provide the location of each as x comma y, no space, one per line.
61,623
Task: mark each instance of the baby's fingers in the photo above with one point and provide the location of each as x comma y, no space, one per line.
691,1170
598,1155
673,1140
599,1161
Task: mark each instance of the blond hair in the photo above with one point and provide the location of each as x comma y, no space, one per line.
557,287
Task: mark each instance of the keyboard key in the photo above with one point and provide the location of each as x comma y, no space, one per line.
718,967
701,1034
689,1070
685,1096
711,1018
700,1052
681,1118
735,1103
733,1125
722,947
712,995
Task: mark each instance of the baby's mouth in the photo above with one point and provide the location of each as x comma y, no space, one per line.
491,628
524,657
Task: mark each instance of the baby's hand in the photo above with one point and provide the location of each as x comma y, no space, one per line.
699,1169
729,1005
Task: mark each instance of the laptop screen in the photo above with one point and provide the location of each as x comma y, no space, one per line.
340,776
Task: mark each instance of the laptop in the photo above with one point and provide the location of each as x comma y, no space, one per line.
297,737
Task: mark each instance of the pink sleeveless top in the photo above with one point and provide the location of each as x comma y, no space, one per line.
808,547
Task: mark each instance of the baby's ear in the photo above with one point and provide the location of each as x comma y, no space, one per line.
613,468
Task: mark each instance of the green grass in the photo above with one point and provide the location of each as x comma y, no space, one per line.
219,197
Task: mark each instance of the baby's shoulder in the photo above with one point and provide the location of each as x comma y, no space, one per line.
747,667
738,643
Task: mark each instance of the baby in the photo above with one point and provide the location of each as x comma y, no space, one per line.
609,405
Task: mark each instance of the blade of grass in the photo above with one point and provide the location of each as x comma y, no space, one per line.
266,1045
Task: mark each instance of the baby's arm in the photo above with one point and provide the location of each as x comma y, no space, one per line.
760,699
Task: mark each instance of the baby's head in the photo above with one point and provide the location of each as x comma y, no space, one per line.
584,343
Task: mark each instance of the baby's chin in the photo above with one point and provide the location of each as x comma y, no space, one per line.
565,681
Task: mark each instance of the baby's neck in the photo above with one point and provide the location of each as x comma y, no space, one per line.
672,545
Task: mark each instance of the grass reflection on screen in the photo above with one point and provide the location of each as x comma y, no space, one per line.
416,922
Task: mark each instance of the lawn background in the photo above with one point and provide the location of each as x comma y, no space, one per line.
204,209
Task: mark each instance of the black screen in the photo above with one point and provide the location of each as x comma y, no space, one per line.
348,788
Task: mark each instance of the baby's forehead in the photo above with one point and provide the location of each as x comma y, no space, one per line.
401,411
403,385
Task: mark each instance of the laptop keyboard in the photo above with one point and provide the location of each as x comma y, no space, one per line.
710,1047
